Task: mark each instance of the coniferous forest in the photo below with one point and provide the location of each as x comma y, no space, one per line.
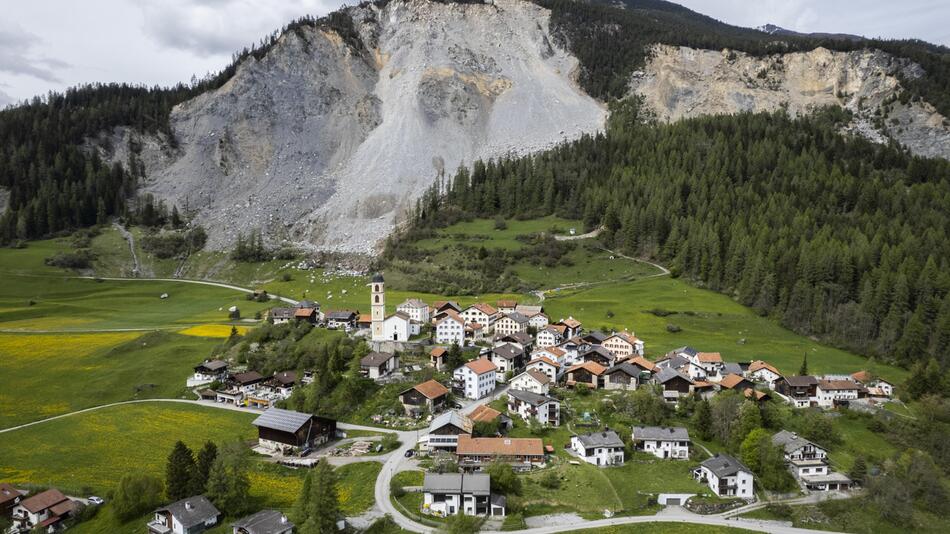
838,238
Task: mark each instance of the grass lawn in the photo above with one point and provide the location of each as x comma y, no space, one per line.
583,488
858,439
854,515
482,232
51,374
356,483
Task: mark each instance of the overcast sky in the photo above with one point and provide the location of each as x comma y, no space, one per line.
52,44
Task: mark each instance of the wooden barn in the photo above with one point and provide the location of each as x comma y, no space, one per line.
282,429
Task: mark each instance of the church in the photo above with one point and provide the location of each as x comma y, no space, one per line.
396,327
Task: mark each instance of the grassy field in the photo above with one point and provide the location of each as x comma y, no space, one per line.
854,515
482,232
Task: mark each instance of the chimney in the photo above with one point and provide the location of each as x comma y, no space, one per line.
283,519
188,506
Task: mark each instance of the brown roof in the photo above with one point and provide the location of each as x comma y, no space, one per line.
862,376
626,336
558,327
304,312
286,377
701,384
759,395
643,362
709,356
507,303
451,314
431,389
484,413
499,446
546,360
593,367
42,501
248,377
8,493
364,318
437,351
759,364
836,384
485,308
481,366
63,508
571,322
731,380
539,376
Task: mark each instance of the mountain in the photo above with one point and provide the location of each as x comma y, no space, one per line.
328,133
772,29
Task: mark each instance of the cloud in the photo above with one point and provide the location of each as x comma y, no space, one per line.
5,99
18,55
222,27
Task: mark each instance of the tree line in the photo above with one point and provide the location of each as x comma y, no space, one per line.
836,237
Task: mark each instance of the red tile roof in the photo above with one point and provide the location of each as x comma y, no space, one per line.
709,357
481,366
431,389
592,367
468,445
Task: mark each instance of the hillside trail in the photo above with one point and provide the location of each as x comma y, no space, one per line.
541,293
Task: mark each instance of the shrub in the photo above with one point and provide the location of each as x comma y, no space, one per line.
80,259
136,494
550,480
672,328
286,277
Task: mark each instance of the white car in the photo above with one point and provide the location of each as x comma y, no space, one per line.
96,500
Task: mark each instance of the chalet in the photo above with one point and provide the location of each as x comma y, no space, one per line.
624,376
866,378
549,336
9,498
450,329
246,381
437,357
460,493
532,380
522,340
735,382
43,511
481,313
417,310
428,396
662,442
187,516
477,453
207,372
283,382
538,321
475,379
341,319
544,364
280,430
484,413
808,462
507,358
507,306
599,448
511,323
831,393
444,431
280,315
590,374
529,405
307,315
802,391
596,353
263,522
726,477
624,345
674,384
572,327
376,365
440,307
761,371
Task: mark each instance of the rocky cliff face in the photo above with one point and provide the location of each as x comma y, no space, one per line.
325,144
683,82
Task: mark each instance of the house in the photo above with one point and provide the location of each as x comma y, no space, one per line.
761,371
674,383
307,315
476,453
628,374
341,319
481,313
450,329
549,336
590,374
283,383
544,364
595,337
538,321
43,511
187,516
437,357
475,333
711,362
444,431
599,448
364,321
428,396
866,378
417,310
507,358
460,493
532,380
507,306
398,327
280,430
378,365
624,345
475,379
831,393
685,352
511,323
440,307
808,462
9,498
522,340
484,413
280,315
246,381
263,522
572,327
529,309
735,382
726,477
755,395
207,372
529,405
661,441
596,353
801,391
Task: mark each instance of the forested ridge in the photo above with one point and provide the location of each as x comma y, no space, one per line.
838,238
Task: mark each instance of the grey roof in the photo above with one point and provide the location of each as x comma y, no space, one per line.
264,522
285,420
413,303
723,465
791,441
191,511
530,397
689,351
529,309
475,483
596,335
730,367
213,365
308,304
453,418
677,361
801,381
508,351
667,373
517,317
522,338
597,349
625,367
378,277
283,313
606,438
342,315
375,359
660,433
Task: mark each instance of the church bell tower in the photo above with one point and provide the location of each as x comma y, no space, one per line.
378,305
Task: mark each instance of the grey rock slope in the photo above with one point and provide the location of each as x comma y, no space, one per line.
325,144
683,82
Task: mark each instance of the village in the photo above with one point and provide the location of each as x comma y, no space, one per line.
507,375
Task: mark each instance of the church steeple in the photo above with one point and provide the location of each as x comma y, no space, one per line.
378,305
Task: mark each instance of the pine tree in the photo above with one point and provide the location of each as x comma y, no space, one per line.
859,469
228,484
301,511
179,472
702,419
803,370
323,506
203,465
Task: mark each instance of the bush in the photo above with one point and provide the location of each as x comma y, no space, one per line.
136,494
500,224
779,510
80,259
672,328
550,481
286,277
